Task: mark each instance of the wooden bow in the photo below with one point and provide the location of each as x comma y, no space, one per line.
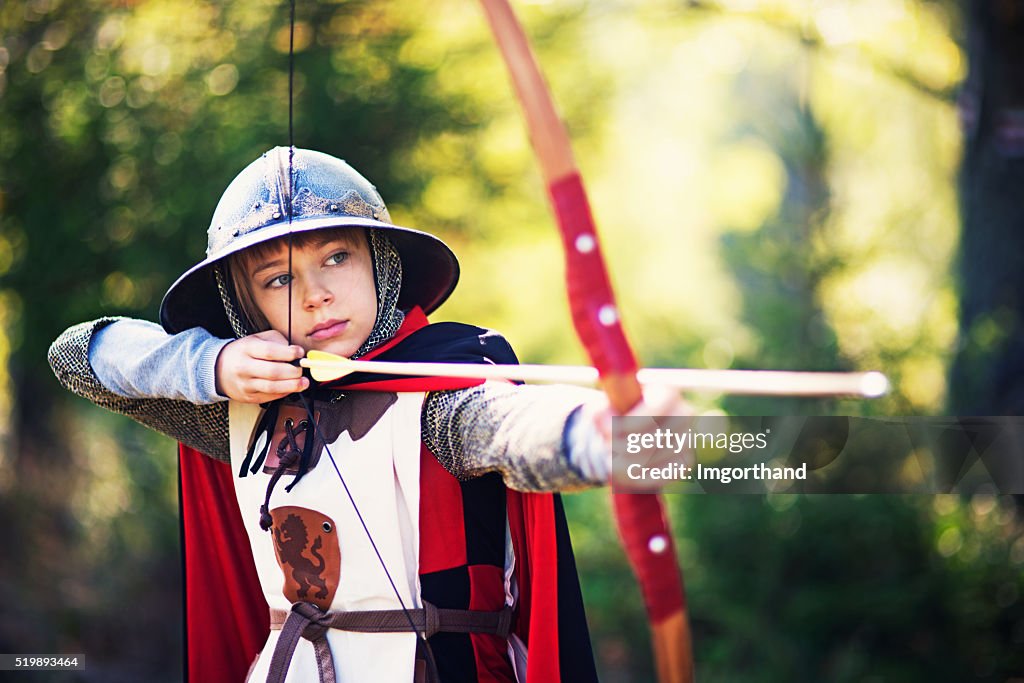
641,518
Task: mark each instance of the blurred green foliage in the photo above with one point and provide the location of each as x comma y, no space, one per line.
774,181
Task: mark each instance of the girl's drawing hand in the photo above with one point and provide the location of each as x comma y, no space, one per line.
257,368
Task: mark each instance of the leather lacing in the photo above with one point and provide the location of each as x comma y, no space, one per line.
288,453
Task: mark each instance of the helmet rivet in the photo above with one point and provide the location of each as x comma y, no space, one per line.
236,233
277,214
334,207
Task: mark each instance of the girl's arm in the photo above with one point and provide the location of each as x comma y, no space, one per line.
162,381
137,359
541,438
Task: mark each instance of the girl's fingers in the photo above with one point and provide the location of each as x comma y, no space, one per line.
268,350
261,391
279,386
271,345
258,368
270,370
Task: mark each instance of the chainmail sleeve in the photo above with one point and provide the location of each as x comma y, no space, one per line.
515,430
202,427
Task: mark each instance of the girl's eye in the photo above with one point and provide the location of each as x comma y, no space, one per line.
280,281
337,259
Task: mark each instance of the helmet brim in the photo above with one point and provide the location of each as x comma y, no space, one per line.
430,272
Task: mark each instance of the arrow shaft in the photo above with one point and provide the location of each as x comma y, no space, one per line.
746,382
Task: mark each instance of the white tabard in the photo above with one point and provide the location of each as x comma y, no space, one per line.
382,470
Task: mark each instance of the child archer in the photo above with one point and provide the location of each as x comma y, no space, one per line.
402,515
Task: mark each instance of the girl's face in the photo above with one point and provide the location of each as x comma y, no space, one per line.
333,297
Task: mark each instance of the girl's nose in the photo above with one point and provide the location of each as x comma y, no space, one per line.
316,294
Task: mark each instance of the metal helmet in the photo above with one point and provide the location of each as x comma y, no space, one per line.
328,193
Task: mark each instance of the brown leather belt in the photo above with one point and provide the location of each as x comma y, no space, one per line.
308,621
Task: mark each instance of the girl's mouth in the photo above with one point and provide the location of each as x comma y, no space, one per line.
328,329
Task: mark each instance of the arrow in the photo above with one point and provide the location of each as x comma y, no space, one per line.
325,367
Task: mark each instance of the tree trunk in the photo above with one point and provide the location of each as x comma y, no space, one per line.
988,372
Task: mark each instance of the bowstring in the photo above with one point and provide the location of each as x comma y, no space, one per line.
305,401
291,153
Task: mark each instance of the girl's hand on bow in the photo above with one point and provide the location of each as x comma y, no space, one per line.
258,368
596,461
658,402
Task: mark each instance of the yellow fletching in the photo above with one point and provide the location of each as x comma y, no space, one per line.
325,366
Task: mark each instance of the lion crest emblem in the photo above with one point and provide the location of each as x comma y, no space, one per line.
307,550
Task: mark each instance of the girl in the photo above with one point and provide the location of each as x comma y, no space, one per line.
385,541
